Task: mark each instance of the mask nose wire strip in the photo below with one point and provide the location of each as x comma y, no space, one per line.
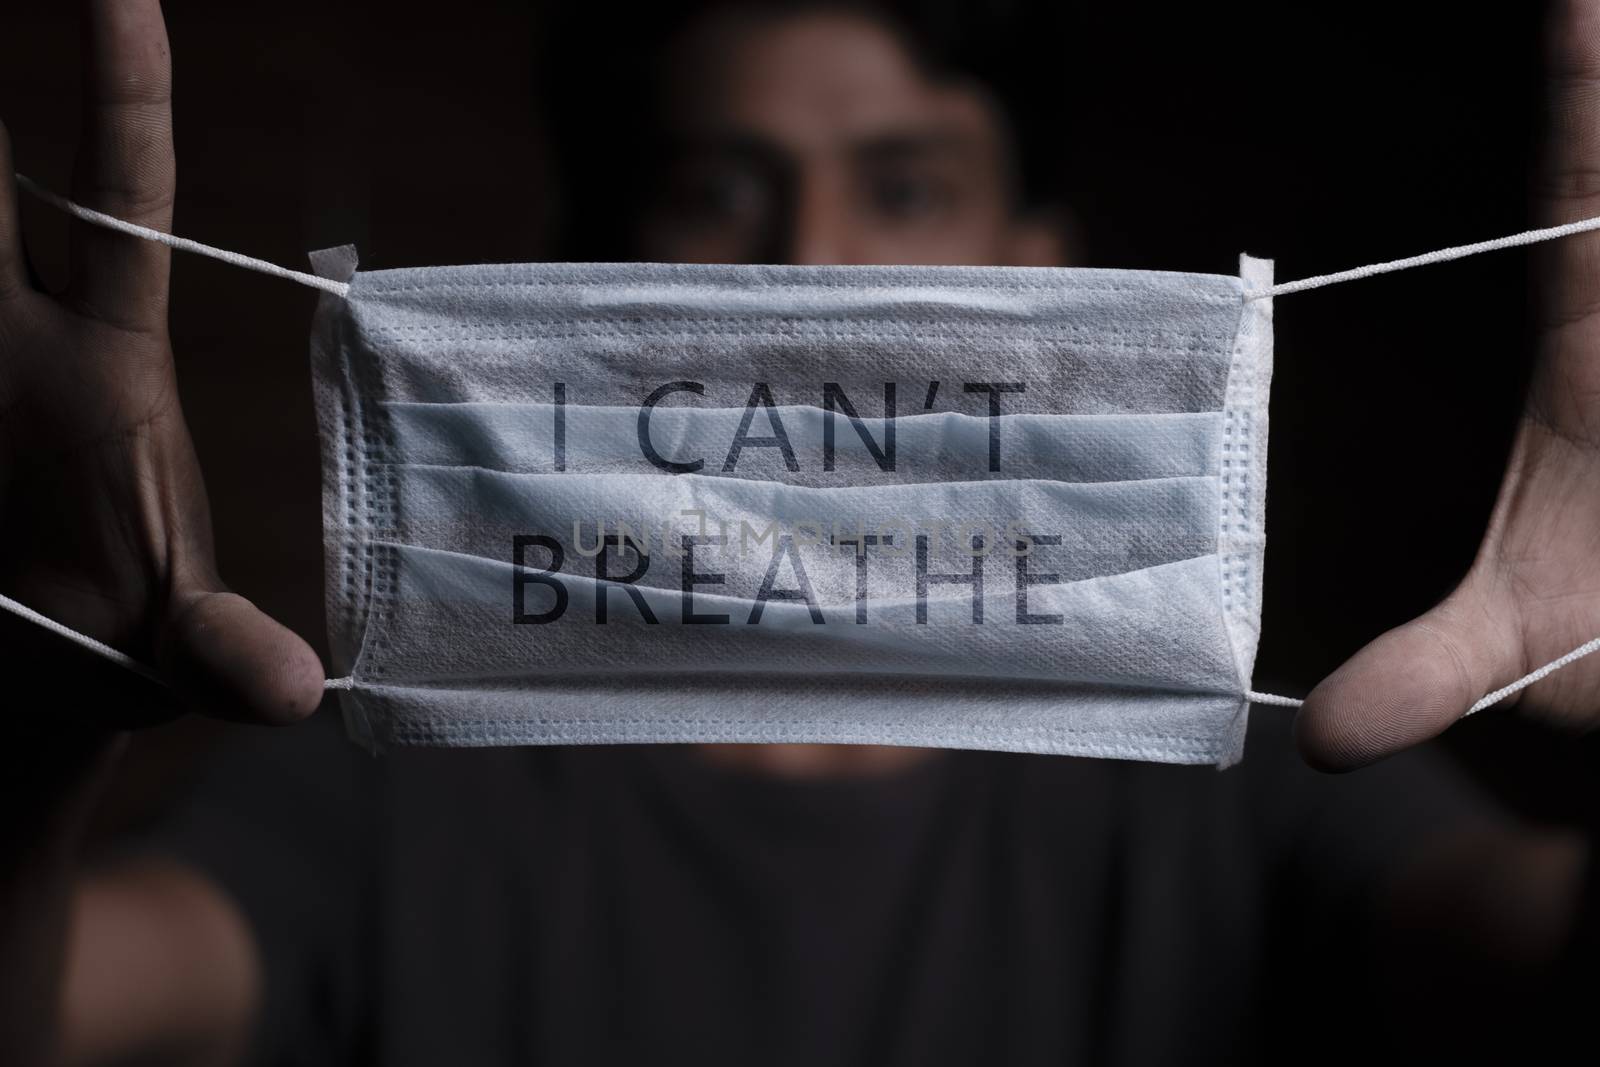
342,289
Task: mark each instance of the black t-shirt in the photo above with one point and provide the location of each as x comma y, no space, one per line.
639,904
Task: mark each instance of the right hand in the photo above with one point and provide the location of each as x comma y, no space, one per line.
104,523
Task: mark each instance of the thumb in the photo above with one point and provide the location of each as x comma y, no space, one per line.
1408,685
230,660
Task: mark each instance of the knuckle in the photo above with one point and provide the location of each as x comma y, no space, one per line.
128,166
1568,314
12,290
132,89
1577,181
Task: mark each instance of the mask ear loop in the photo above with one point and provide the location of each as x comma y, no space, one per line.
342,290
99,648
1487,701
182,244
1526,237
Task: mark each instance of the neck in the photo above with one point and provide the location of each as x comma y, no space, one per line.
816,761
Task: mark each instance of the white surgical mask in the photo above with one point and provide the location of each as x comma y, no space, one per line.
998,508
993,508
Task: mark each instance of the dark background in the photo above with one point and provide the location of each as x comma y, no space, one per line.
1363,132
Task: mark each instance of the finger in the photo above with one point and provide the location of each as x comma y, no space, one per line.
231,660
125,165
1567,186
1408,685
13,271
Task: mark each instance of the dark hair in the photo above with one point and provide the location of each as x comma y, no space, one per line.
596,75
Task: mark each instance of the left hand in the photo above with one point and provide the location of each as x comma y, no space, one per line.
1533,592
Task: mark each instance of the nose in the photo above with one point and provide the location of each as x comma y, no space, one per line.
818,229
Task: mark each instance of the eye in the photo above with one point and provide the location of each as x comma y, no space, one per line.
716,194
906,194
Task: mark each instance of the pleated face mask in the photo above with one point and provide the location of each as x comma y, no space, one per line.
994,508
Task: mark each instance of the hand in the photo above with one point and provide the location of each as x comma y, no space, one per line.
104,523
1533,592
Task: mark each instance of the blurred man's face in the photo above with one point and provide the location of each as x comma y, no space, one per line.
814,138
